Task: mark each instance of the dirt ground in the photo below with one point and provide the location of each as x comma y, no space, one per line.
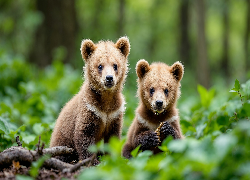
10,173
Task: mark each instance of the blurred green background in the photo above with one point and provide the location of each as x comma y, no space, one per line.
210,37
41,69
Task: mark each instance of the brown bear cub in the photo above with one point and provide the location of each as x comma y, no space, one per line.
96,112
156,116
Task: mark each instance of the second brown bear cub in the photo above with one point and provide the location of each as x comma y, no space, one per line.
96,112
158,91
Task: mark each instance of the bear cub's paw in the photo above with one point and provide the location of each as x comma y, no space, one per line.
148,140
167,130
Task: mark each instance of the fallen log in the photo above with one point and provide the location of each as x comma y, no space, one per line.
26,157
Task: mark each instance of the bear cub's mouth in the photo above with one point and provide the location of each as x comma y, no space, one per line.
158,107
109,85
159,111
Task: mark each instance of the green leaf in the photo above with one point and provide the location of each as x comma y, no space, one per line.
13,133
199,130
29,138
246,110
140,161
223,120
34,170
185,123
4,128
205,95
223,143
135,152
22,177
115,146
164,144
38,128
236,86
177,146
153,163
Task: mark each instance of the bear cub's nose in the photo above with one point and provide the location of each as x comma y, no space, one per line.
109,79
159,104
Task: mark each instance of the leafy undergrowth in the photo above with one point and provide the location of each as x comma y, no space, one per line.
217,126
217,145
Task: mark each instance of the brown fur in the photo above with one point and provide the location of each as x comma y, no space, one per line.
158,76
96,112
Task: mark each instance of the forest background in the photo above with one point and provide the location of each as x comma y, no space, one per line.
41,65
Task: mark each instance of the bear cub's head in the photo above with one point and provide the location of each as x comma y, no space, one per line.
159,85
105,63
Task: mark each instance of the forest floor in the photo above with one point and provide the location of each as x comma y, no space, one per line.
11,172
20,163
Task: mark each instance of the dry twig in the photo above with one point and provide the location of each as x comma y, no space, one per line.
79,164
18,141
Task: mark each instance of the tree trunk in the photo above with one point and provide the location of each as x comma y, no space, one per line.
202,61
58,29
154,28
246,38
225,57
120,23
184,32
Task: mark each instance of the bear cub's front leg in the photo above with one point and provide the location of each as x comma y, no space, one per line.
148,140
166,130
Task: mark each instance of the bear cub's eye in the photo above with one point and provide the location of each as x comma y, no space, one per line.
166,91
100,67
152,90
115,67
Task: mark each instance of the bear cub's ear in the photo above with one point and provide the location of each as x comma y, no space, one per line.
123,45
142,67
87,48
177,69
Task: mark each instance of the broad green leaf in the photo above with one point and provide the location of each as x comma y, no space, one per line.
206,96
203,94
223,143
236,86
246,109
185,123
177,146
165,142
135,152
153,163
3,126
141,160
12,134
244,168
244,126
199,130
29,138
115,146
38,128
223,120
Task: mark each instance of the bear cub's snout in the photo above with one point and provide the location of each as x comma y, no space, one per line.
109,81
159,104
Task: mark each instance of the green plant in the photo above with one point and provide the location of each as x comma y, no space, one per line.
216,126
